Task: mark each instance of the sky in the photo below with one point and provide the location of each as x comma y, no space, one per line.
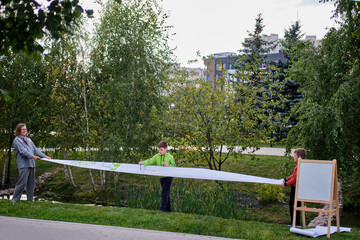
213,26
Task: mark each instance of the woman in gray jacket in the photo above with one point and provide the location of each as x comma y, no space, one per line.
25,151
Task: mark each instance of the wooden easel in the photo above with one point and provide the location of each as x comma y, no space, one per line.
316,182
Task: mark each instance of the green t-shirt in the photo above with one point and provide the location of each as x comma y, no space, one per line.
159,160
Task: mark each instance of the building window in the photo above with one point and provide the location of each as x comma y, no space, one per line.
224,66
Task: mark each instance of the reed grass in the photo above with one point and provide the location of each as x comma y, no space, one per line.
186,197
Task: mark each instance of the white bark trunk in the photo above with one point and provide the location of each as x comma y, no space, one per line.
65,168
66,175
71,177
87,133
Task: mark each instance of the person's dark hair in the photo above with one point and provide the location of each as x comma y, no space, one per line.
162,144
300,152
18,128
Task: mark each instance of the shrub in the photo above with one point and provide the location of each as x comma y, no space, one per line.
270,193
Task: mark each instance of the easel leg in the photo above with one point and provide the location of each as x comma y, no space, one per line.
303,216
338,219
336,195
329,226
294,215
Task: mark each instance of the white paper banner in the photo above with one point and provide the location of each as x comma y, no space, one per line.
180,172
318,231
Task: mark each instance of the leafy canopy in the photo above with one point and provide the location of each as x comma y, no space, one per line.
330,80
25,23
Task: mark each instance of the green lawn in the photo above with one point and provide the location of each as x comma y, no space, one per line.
153,220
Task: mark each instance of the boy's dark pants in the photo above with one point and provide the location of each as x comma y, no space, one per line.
291,206
165,194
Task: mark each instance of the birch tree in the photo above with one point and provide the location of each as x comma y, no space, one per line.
67,92
130,58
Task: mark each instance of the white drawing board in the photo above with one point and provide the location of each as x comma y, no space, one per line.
315,181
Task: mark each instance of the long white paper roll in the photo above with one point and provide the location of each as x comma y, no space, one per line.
179,172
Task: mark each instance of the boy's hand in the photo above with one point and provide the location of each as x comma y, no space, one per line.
36,157
283,185
141,163
166,164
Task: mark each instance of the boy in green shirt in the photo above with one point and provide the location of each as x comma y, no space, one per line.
163,159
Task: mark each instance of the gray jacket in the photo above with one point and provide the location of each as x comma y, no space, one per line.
24,152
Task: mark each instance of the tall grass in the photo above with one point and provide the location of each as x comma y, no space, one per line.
186,197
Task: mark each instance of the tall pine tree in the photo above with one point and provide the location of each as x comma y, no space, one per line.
292,44
256,73
255,51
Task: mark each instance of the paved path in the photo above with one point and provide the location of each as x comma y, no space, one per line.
265,151
262,151
12,228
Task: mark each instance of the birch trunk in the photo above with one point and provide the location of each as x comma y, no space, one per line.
102,177
66,175
92,180
65,168
87,133
71,177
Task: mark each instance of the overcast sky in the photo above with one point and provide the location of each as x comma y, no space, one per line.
213,26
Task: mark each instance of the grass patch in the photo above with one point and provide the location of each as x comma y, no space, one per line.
153,220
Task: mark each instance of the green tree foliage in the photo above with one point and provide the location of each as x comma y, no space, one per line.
66,93
28,102
330,80
292,37
293,44
255,45
294,31
6,95
208,117
71,89
256,72
24,23
129,63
